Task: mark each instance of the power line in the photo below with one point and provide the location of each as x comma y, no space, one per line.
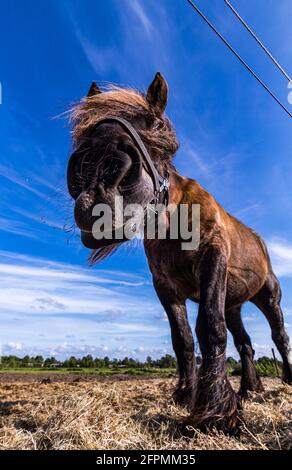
258,40
239,57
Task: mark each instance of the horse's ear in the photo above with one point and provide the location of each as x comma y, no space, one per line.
93,90
157,94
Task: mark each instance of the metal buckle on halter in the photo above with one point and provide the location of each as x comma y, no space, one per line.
165,185
165,188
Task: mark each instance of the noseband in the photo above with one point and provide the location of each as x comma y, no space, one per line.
161,184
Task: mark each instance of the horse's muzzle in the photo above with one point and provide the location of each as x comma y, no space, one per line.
119,174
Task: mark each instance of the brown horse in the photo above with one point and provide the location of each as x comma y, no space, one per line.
116,132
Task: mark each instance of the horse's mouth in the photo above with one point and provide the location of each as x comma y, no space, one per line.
95,240
92,243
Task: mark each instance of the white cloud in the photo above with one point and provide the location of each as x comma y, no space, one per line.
139,11
281,256
12,346
11,175
48,288
250,318
288,311
245,212
200,163
16,227
43,303
65,349
263,348
101,60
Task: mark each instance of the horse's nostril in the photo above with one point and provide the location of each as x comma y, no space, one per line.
118,164
135,172
83,209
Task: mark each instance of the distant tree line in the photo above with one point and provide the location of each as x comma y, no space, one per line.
165,362
264,365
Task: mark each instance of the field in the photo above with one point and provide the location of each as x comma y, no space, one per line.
16,373
79,411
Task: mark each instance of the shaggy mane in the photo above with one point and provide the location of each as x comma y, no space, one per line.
128,104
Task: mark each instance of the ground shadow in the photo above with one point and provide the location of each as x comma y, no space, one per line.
7,407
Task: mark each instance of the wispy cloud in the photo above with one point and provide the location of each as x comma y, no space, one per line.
139,11
14,177
213,169
199,162
135,25
248,210
16,227
39,218
102,60
56,299
56,308
281,255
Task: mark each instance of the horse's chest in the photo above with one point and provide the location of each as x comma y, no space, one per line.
177,270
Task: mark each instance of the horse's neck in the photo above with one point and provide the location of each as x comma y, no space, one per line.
183,190
189,191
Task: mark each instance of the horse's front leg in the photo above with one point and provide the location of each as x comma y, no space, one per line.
183,344
216,404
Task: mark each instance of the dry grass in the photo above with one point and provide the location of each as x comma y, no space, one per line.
131,414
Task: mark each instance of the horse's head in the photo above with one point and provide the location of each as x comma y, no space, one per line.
123,144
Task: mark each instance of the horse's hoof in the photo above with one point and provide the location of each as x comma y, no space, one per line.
184,396
229,425
217,407
287,380
244,392
287,375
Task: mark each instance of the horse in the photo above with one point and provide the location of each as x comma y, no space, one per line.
123,145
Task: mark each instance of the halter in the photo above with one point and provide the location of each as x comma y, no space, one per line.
161,184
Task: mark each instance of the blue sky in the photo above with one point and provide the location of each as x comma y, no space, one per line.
234,140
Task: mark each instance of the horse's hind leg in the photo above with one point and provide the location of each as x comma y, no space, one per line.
268,300
250,380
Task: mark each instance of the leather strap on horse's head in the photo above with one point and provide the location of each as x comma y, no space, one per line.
161,184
